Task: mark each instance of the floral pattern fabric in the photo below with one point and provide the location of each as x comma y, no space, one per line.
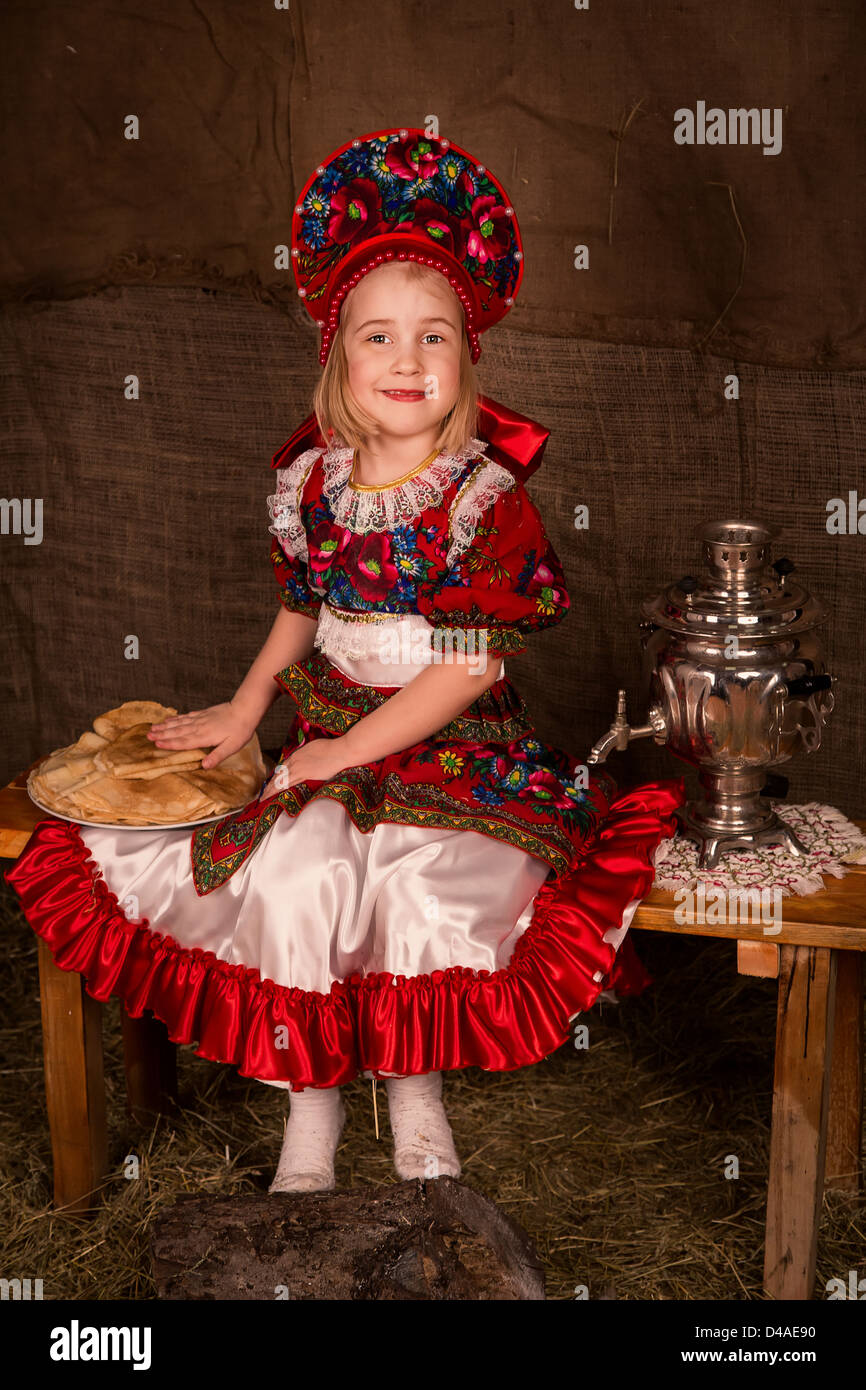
486,770
507,581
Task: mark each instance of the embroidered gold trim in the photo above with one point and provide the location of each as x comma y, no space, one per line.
395,482
330,705
354,617
370,805
447,815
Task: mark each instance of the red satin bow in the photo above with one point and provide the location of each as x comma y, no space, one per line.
514,440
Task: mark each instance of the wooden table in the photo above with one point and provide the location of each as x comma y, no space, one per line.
817,1114
817,1120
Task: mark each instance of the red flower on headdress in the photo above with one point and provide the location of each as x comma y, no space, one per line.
412,159
431,217
374,573
356,211
488,237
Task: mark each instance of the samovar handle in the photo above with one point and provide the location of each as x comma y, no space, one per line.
806,688
803,686
620,733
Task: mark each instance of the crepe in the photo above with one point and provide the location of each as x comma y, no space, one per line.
115,774
133,754
110,724
230,781
162,802
69,767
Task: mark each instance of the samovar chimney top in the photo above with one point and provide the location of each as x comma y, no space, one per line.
736,551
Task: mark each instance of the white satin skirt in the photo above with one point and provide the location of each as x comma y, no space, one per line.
319,900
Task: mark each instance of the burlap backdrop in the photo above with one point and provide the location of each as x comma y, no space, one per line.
154,511
155,518
758,256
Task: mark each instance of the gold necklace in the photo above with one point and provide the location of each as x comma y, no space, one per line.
367,487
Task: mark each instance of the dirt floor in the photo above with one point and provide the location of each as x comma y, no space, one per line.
612,1158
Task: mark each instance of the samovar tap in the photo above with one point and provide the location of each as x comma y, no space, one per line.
620,733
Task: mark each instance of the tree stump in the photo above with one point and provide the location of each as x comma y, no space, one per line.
420,1240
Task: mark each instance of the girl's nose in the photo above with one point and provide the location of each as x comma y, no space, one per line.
407,357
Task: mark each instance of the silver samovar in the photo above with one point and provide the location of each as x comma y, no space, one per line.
737,682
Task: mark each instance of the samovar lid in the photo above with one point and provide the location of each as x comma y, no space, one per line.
740,591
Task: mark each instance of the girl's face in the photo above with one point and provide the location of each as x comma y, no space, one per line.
402,338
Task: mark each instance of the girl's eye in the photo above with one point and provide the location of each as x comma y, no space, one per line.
382,336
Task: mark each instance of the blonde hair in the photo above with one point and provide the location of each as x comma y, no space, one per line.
336,409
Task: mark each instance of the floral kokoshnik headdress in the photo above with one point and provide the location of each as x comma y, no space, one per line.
405,195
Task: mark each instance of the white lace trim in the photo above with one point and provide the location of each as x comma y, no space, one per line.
389,507
283,505
479,491
359,640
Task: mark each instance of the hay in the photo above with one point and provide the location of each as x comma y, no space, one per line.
612,1158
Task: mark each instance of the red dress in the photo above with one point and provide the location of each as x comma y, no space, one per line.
454,904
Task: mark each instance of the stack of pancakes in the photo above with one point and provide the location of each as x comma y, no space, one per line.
114,773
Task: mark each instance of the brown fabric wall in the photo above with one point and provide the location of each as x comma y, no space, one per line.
155,519
154,511
712,246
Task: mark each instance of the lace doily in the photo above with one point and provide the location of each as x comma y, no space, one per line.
831,838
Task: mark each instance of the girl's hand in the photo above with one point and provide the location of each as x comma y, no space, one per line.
222,728
318,761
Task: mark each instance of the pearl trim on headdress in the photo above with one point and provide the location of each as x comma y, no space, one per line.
329,326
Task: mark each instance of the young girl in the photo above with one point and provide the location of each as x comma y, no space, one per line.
423,884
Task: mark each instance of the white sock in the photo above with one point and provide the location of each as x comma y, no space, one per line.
313,1130
423,1142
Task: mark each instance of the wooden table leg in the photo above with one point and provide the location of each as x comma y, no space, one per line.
151,1066
74,1084
758,958
801,1096
844,1170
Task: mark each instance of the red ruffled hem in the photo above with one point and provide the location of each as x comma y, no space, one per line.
498,1020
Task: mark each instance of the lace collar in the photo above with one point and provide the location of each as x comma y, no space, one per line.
383,509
